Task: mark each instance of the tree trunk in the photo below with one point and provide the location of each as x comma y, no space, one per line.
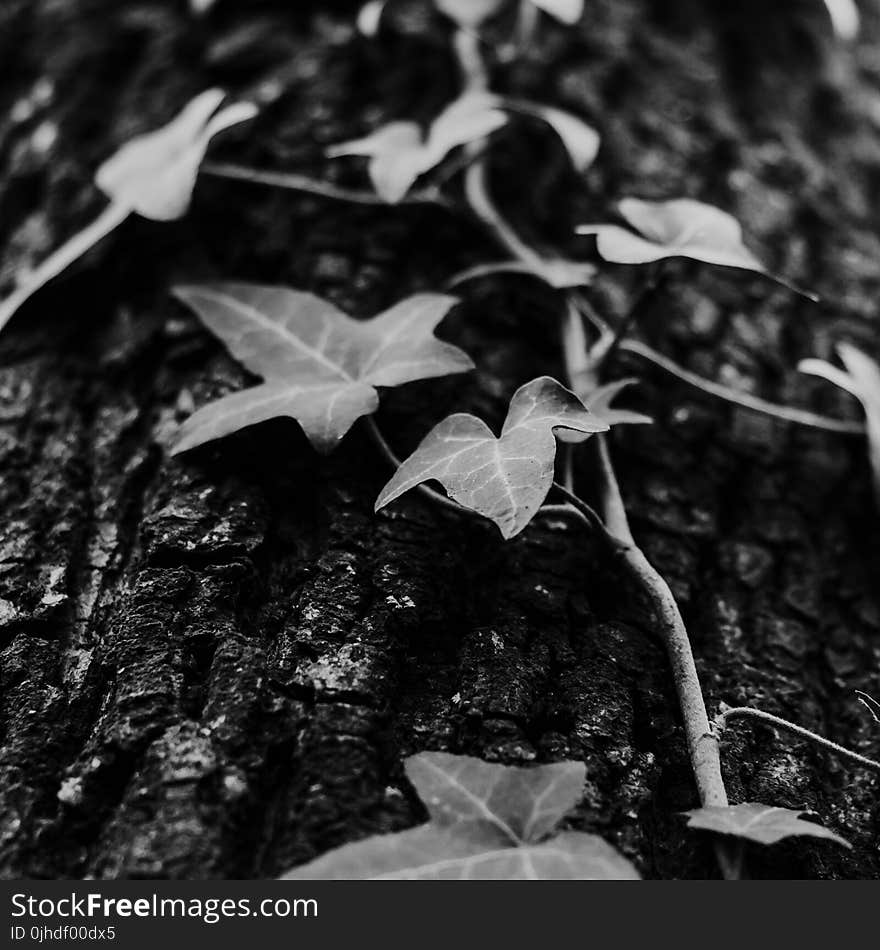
213,665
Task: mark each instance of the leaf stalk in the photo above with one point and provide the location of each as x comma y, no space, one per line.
744,712
312,186
57,262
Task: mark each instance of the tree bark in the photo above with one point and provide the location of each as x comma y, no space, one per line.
213,665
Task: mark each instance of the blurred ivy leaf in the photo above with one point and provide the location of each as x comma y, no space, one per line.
201,7
319,366
598,400
370,16
860,378
152,175
487,822
678,228
599,403
567,11
400,153
469,13
845,18
504,479
761,823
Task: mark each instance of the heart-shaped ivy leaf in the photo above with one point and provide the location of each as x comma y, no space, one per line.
152,175
319,366
399,153
488,822
678,228
762,823
862,380
504,479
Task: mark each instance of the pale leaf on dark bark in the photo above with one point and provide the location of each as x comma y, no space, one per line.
488,822
319,366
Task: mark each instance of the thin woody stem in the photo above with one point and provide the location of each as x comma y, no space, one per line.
792,414
702,744
303,183
575,350
786,413
81,242
631,318
744,712
477,195
526,24
476,79
590,515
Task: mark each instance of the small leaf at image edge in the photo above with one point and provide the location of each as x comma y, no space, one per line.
763,824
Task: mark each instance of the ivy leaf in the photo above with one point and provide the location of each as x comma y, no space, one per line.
474,852
488,822
762,823
845,18
566,11
525,804
599,403
370,16
152,175
469,13
504,479
399,153
678,228
319,366
862,380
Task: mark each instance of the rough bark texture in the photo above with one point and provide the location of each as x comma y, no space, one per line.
212,666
